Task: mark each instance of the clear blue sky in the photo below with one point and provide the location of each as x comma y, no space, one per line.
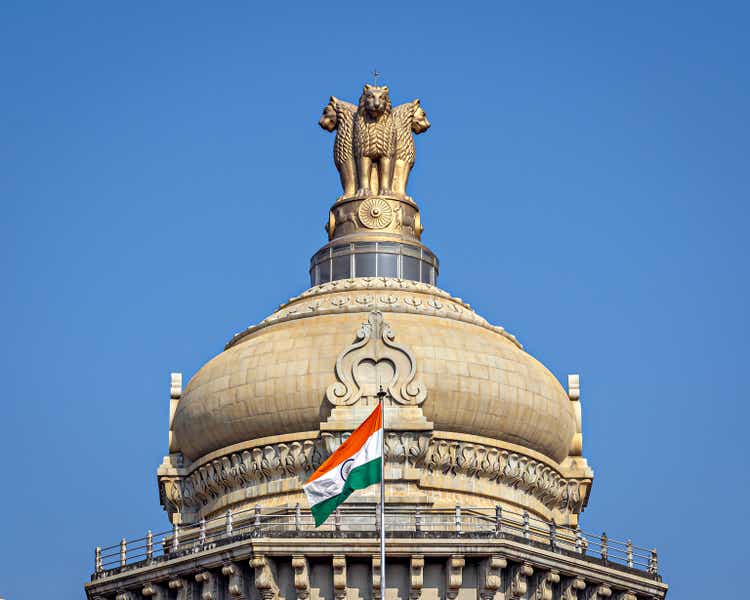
164,182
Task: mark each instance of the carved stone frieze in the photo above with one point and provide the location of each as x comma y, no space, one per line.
433,462
377,293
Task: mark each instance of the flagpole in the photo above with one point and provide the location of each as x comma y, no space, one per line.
381,396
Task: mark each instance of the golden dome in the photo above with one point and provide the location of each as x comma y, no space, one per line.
272,379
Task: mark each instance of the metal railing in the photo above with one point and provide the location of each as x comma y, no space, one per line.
355,521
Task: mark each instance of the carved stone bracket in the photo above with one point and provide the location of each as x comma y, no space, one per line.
236,584
376,574
265,578
339,576
301,576
372,361
519,580
416,580
571,587
184,588
599,592
454,570
544,583
154,591
125,595
492,582
208,583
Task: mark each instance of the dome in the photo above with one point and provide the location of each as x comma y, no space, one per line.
272,379
470,418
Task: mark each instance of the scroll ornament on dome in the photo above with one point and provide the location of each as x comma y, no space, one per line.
374,148
375,359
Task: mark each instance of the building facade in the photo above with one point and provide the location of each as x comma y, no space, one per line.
484,470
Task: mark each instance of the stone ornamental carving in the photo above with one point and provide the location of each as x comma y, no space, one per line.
374,148
375,213
373,360
434,462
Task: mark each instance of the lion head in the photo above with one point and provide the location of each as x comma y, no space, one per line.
329,119
419,118
375,101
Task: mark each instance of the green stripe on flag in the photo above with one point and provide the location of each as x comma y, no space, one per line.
360,477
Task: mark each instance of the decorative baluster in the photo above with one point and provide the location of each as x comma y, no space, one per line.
579,541
230,527
175,537
604,550
123,552
526,524
553,535
653,563
202,534
149,545
297,517
164,545
418,519
98,560
458,519
256,525
498,519
629,552
337,519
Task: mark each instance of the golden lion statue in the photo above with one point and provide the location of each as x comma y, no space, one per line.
409,117
339,116
374,139
374,148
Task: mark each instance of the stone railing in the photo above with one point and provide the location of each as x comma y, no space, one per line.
356,522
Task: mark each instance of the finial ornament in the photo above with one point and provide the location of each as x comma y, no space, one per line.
374,148
375,75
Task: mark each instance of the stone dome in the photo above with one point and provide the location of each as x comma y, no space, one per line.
272,378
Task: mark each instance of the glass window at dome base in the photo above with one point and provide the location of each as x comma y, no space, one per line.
342,267
410,267
373,259
388,265
364,265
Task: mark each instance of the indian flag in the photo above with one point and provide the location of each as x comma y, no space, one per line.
355,465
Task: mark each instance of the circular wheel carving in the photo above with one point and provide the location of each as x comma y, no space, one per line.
375,213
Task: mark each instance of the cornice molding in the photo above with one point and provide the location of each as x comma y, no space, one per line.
374,293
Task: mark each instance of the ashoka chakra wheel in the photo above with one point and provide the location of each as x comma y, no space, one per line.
375,213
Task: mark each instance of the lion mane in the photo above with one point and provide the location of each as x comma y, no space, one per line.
374,135
343,115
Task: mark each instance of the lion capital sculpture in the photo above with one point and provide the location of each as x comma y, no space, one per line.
374,149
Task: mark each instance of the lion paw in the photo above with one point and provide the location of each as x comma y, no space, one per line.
362,192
